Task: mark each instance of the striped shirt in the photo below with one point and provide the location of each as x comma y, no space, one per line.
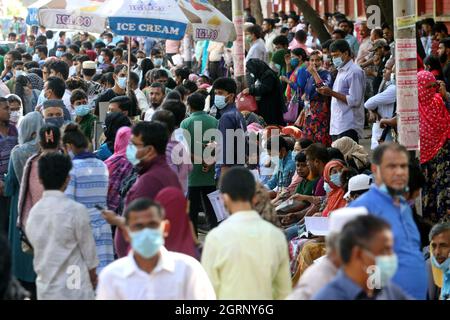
89,186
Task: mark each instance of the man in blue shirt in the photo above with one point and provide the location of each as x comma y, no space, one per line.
385,200
232,147
366,251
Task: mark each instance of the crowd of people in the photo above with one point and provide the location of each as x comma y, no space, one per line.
114,165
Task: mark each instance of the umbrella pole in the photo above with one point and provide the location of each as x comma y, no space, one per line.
129,65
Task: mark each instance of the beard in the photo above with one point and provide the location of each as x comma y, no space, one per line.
443,58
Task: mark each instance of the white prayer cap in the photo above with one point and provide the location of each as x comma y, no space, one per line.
339,218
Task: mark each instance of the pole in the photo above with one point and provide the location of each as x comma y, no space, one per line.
129,64
239,45
406,78
406,73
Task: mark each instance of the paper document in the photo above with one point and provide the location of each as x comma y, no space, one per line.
217,203
318,226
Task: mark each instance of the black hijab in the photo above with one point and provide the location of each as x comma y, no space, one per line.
113,122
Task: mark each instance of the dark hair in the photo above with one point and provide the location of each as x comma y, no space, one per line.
167,117
183,73
49,136
196,101
439,228
416,177
182,91
378,153
301,36
30,65
155,51
226,84
88,72
300,157
118,51
446,42
119,68
87,45
270,22
159,85
359,233
378,32
346,174
99,44
191,86
124,103
154,134
57,85
440,27
27,56
305,143
146,65
433,62
108,53
239,184
16,55
107,78
341,46
341,33
284,30
428,21
282,143
17,63
73,135
280,40
76,83
294,17
160,73
53,170
177,108
174,95
41,40
142,204
300,53
61,67
256,30
68,56
78,94
317,151
326,44
36,71
134,77
335,154
61,46
75,48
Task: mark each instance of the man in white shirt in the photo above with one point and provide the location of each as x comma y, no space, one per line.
347,103
59,230
325,268
381,106
253,35
246,257
268,28
150,272
366,44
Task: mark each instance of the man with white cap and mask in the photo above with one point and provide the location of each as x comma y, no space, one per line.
357,186
325,268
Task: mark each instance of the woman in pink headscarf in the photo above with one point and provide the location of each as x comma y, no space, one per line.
119,167
434,124
181,235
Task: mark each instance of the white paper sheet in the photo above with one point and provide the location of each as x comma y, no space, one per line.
318,226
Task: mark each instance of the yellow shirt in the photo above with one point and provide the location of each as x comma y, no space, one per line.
246,258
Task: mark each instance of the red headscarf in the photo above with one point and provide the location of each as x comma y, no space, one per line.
180,237
434,119
335,198
292,131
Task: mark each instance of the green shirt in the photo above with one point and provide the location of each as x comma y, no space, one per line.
306,187
87,125
198,178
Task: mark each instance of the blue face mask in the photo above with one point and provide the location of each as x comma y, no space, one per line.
444,266
338,62
36,57
388,265
59,54
100,59
219,101
131,154
326,187
295,62
336,179
56,121
158,62
82,110
71,154
147,242
122,82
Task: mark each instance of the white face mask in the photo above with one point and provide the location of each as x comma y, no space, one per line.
14,116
